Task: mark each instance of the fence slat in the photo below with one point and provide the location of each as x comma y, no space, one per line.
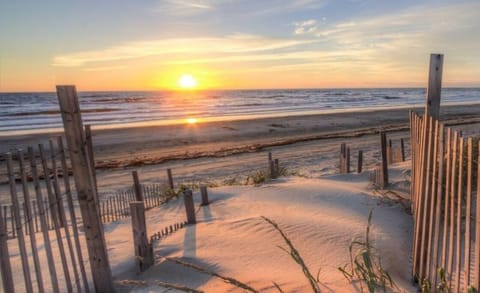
453,186
476,272
426,198
43,221
447,199
459,215
468,211
56,221
63,218
433,198
5,265
71,209
18,224
438,205
28,212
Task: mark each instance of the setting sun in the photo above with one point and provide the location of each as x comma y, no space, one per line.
191,120
187,81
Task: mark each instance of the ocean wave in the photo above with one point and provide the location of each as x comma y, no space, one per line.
57,112
391,98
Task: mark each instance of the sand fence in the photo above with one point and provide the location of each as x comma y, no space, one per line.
445,189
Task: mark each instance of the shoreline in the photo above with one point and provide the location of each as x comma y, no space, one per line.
230,151
125,147
226,118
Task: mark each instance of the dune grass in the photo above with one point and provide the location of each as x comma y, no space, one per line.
365,264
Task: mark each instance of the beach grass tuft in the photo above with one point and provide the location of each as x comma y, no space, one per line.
293,252
365,264
228,280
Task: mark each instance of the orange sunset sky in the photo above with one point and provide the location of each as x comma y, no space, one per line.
231,44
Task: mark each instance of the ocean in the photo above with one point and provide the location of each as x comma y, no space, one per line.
39,112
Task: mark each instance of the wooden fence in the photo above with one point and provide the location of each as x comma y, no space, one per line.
445,188
113,207
117,206
46,261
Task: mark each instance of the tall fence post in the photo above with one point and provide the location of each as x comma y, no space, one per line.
143,249
271,168
347,160
204,192
189,207
434,89
343,150
87,196
170,178
137,187
360,162
384,172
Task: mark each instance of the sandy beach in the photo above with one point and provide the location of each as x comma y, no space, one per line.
321,211
220,151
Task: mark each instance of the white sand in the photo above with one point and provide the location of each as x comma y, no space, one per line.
320,216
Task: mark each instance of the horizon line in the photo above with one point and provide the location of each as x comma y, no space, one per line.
243,89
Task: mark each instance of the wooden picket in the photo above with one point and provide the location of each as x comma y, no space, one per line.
446,206
39,215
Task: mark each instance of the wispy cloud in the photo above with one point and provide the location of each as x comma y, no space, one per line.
193,47
184,7
400,38
305,27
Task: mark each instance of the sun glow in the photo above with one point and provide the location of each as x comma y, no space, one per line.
187,81
191,120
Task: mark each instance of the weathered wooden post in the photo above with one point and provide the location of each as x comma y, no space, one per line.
271,168
5,266
189,207
143,249
347,160
137,186
277,167
170,178
390,152
343,150
402,149
434,89
204,193
91,154
360,162
87,196
384,170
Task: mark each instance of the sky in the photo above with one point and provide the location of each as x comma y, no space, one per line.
235,44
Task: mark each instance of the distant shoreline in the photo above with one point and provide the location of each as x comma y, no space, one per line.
225,118
155,142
